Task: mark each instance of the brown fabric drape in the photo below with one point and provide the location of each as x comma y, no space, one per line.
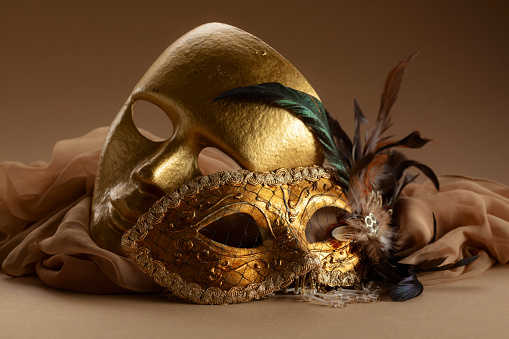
472,216
44,220
45,208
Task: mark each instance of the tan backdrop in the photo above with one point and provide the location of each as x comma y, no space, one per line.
67,67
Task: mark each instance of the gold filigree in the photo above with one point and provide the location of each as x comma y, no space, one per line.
344,273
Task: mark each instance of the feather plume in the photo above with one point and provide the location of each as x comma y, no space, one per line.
343,142
389,96
377,177
372,176
358,120
408,288
377,167
459,263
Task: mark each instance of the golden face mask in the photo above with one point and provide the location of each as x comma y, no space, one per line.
234,236
211,59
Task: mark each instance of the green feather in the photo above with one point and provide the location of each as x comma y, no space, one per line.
305,106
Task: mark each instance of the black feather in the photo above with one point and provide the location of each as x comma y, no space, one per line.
343,142
408,288
426,170
459,263
389,273
413,140
408,178
434,231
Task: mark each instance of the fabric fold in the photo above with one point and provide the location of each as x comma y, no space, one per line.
472,217
44,223
45,211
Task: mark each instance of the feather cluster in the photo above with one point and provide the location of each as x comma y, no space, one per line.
372,175
377,173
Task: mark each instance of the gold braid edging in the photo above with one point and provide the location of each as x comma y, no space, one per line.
338,278
214,295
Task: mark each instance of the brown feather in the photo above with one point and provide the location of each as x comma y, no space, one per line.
389,96
358,120
413,140
375,168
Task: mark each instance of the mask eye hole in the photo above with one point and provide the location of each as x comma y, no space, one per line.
321,223
212,160
235,230
151,121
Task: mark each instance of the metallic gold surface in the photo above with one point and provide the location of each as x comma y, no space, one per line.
184,81
289,210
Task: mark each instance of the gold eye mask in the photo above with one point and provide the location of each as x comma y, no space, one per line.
234,236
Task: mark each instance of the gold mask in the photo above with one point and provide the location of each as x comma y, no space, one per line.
234,236
211,59
230,236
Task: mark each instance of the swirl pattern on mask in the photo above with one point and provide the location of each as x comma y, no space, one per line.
206,272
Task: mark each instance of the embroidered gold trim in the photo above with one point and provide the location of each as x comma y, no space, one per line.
213,295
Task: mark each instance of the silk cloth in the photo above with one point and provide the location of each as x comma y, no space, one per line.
45,211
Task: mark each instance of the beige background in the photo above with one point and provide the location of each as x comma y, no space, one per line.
68,66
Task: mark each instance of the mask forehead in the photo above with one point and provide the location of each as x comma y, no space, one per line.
211,60
183,82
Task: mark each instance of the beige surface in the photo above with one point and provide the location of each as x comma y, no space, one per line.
471,308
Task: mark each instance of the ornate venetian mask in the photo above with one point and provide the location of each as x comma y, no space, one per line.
231,236
234,236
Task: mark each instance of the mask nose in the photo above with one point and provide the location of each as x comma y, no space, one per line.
170,166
